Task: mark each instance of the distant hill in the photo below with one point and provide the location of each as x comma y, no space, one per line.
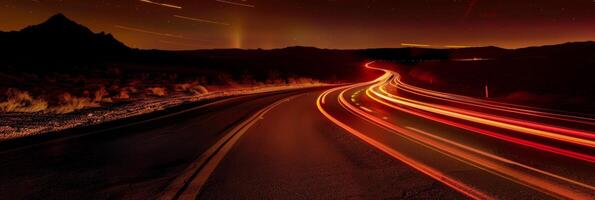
580,50
62,41
62,44
58,38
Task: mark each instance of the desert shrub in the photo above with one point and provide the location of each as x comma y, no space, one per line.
100,93
305,80
157,91
122,94
69,103
21,101
199,89
192,88
183,87
246,78
226,79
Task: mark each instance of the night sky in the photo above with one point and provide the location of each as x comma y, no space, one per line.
343,24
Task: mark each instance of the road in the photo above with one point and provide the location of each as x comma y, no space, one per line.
292,152
481,148
136,161
373,140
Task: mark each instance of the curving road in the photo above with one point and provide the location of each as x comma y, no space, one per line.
136,161
481,148
374,140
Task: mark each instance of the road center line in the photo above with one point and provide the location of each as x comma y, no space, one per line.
189,184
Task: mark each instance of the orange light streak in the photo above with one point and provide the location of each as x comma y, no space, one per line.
536,132
201,20
540,180
236,3
535,125
162,4
415,45
527,143
465,115
481,159
456,46
437,175
149,32
512,108
380,83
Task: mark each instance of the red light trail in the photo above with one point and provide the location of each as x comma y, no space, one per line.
514,124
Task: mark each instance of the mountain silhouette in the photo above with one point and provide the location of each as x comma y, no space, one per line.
58,40
58,24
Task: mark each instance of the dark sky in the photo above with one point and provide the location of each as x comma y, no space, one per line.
192,24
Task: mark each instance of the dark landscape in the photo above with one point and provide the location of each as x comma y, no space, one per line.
84,115
530,75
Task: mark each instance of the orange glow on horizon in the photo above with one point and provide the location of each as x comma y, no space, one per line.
414,45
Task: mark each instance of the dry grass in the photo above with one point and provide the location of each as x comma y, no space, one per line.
21,101
192,88
157,91
55,117
66,93
69,103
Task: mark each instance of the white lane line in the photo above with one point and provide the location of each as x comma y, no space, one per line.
189,184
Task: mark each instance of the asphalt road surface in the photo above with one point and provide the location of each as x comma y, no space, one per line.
382,139
293,152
